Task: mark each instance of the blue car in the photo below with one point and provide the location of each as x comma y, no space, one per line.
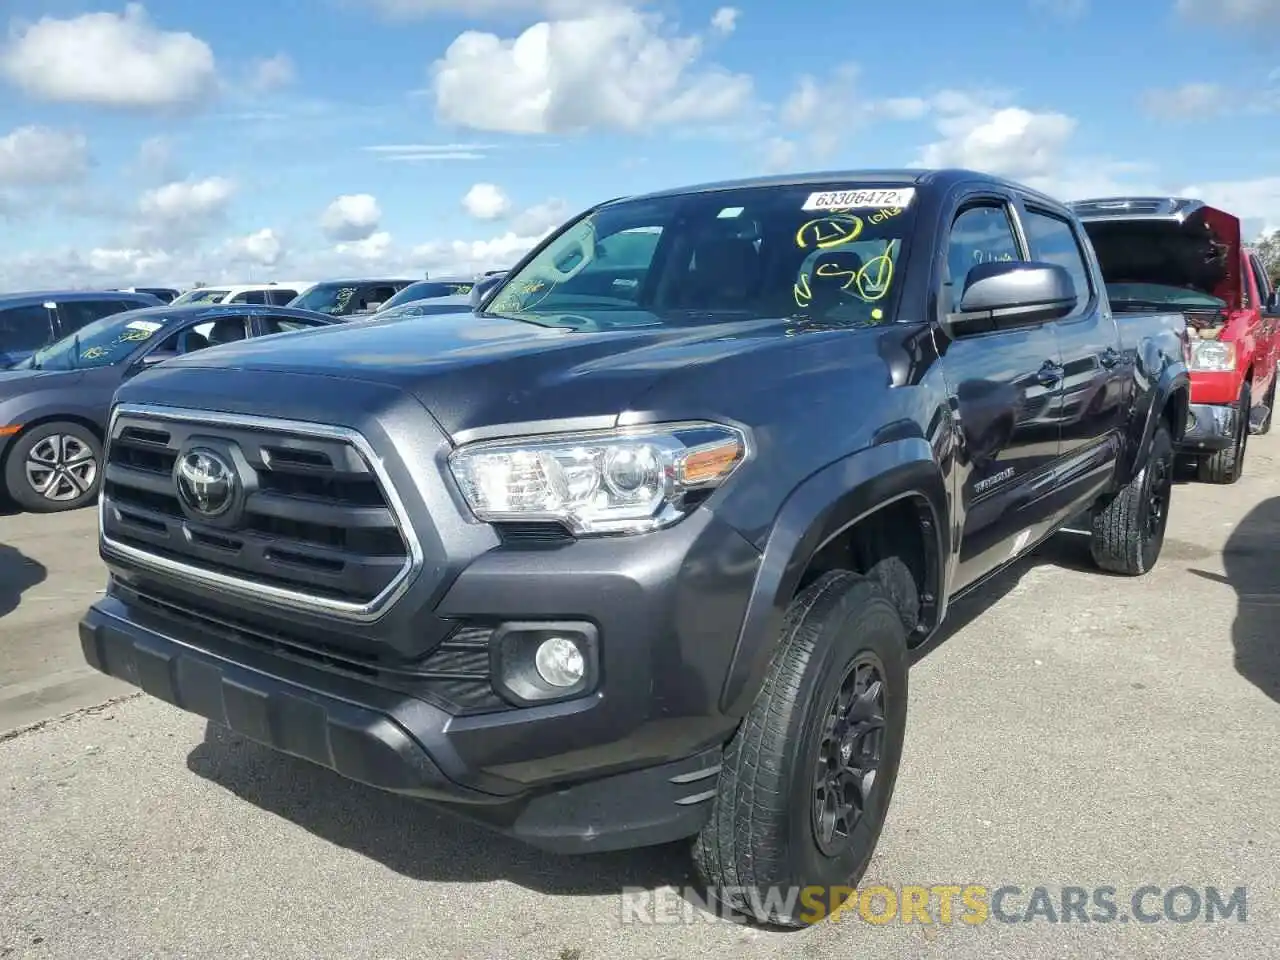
55,404
29,321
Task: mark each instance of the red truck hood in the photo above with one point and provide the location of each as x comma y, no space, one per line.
1174,241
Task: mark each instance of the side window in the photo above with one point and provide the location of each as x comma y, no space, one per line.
25,328
1051,240
250,296
1261,279
279,296
285,324
979,234
76,314
377,295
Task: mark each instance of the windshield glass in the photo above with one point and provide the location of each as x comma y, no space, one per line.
825,252
1163,295
330,298
101,343
202,295
429,289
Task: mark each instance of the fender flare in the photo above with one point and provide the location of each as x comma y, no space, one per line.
829,501
1173,386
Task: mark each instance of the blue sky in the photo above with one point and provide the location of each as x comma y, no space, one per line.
178,141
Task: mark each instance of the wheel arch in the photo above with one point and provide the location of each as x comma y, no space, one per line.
899,478
40,420
1171,404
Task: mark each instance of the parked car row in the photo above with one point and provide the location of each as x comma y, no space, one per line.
64,353
638,545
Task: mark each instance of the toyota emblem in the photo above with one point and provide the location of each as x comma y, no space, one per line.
206,482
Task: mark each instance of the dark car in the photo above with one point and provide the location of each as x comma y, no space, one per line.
29,321
342,298
163,294
428,307
430,290
54,405
643,550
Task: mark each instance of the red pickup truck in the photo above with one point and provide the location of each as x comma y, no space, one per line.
1182,254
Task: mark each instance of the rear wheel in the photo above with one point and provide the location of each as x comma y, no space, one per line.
54,467
1127,535
806,782
1225,466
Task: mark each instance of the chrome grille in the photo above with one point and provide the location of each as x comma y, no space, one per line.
315,524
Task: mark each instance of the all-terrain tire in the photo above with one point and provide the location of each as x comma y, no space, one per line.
1226,466
760,846
1126,536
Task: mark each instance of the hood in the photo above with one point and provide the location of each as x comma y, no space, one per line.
473,371
1176,241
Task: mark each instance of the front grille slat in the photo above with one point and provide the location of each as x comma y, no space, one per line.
315,519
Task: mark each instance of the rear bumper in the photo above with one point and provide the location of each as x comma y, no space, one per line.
372,736
1210,427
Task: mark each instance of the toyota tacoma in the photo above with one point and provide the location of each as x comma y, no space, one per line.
641,548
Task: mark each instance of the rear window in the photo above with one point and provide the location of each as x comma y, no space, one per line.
826,252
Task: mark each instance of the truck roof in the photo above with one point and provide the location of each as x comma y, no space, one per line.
939,178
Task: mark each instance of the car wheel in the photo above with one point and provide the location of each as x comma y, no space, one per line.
1127,535
54,467
1226,466
806,782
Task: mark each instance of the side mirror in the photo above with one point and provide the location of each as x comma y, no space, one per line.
1273,302
1012,293
480,292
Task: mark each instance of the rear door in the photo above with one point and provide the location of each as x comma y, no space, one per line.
24,330
1006,391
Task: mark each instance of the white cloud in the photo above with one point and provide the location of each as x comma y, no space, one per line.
376,246
725,20
1004,140
263,247
41,156
486,201
155,158
428,152
541,217
108,59
1191,101
1241,13
616,68
187,199
268,74
419,9
351,218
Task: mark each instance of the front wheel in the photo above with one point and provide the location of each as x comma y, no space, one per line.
806,782
1126,536
1226,466
54,467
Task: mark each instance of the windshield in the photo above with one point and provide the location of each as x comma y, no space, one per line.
1163,295
101,343
331,298
201,295
428,289
827,253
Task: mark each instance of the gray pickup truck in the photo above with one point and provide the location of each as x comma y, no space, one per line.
642,548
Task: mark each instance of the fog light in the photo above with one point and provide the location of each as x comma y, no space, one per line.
535,662
560,662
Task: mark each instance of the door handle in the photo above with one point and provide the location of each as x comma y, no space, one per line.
1110,357
1049,374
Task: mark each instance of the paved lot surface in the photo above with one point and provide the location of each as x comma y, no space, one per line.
1075,730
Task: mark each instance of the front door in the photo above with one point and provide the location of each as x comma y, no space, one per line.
1006,390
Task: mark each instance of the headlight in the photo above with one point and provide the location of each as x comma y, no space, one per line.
1213,355
619,481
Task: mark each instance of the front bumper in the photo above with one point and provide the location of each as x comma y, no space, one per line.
369,735
1210,427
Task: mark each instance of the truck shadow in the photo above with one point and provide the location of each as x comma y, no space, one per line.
18,573
417,839
1250,561
429,843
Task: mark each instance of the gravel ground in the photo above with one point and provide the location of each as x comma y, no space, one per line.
1074,730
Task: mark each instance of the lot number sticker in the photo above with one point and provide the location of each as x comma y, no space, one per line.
859,199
